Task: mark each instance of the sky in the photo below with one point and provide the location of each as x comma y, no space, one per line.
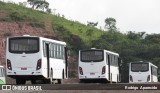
131,15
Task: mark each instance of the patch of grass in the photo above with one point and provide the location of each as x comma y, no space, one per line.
69,28
7,34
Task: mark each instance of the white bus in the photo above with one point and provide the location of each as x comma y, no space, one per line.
2,75
142,72
98,64
36,58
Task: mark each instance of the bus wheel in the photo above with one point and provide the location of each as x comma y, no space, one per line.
82,81
20,81
59,81
33,81
51,77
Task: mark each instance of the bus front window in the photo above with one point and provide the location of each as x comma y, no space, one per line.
92,55
23,45
139,67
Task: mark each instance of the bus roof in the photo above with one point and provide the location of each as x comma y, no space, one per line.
56,41
144,62
114,53
43,38
110,52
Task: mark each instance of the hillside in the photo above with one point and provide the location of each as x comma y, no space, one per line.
17,20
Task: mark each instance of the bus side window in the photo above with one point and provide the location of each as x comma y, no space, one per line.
54,50
117,61
58,52
151,70
1,72
114,60
111,63
44,49
106,58
63,52
154,71
4,74
51,49
53,54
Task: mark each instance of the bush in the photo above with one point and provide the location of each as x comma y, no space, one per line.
15,16
37,24
7,34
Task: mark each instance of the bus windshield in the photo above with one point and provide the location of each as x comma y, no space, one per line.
139,67
23,45
92,55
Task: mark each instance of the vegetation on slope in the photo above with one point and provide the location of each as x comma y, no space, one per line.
131,46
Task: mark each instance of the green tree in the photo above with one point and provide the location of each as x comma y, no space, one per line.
49,11
110,24
153,39
42,5
32,3
24,4
92,24
38,4
136,36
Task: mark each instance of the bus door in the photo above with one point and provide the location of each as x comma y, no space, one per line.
66,60
109,71
119,68
158,74
47,56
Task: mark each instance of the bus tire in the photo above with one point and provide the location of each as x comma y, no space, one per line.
59,81
20,81
33,81
81,81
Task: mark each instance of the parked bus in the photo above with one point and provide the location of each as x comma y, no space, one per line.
98,65
36,58
142,72
2,75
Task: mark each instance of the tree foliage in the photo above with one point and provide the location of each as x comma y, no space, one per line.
131,46
38,4
92,24
110,24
